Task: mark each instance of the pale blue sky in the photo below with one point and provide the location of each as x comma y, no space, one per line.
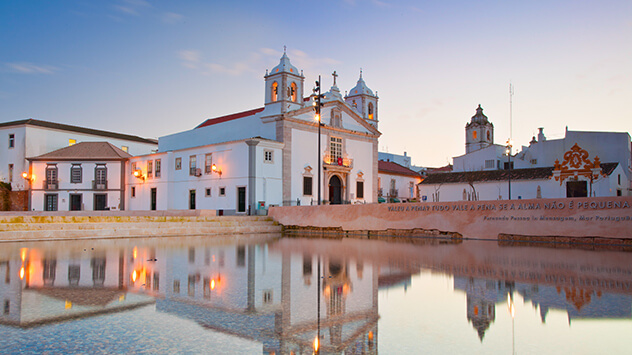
153,68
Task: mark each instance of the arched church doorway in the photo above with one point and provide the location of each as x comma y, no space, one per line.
335,190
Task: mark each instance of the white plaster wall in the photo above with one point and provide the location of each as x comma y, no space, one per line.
269,176
15,156
232,158
305,153
402,185
362,154
65,187
523,189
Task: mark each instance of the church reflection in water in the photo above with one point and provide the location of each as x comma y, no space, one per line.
285,293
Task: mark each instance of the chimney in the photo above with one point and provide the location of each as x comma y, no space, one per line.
541,137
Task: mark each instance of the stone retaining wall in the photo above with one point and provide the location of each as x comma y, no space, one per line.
606,217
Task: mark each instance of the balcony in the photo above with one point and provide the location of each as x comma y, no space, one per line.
99,185
330,160
50,184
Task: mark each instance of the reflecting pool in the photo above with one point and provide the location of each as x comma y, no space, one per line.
266,294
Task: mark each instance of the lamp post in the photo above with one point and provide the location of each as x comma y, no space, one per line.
317,106
508,151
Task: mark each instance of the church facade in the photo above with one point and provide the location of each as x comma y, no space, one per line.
581,164
247,161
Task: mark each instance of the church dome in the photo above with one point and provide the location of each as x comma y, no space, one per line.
360,88
285,66
479,117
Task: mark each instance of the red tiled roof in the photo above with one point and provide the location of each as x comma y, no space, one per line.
234,116
86,151
443,169
500,175
390,167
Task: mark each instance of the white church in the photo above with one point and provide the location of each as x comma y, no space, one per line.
247,161
581,164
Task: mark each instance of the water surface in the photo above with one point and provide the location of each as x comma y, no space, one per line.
263,294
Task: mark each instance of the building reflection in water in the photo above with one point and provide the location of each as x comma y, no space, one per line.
284,293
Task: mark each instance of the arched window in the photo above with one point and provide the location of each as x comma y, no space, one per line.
370,110
474,134
354,104
275,91
293,92
489,135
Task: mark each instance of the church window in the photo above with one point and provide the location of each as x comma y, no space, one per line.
293,93
335,149
370,110
474,134
307,185
489,135
355,105
275,91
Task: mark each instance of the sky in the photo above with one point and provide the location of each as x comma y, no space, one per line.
153,68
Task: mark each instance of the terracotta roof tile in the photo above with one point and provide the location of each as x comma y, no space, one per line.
86,151
234,116
390,167
501,175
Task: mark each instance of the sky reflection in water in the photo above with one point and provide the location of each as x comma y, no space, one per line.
259,294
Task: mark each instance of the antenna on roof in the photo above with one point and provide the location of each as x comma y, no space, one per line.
511,92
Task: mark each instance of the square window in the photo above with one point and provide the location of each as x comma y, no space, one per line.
158,167
72,142
207,192
178,163
268,156
150,169
222,191
11,140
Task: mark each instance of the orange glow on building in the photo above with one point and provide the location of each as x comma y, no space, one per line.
212,284
22,273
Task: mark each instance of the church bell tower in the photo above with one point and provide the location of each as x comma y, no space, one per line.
479,132
284,87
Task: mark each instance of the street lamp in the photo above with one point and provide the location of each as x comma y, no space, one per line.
317,106
508,151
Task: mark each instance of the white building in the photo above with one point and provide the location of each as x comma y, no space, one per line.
22,139
396,183
580,164
84,176
269,155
